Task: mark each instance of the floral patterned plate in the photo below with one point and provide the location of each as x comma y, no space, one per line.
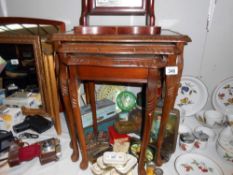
192,95
195,164
222,97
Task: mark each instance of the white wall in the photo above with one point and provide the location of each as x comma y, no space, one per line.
208,55
3,8
67,11
187,17
218,56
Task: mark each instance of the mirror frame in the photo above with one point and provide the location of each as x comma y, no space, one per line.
36,21
114,7
107,7
35,42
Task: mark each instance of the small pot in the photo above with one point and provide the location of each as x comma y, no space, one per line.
201,140
186,141
210,132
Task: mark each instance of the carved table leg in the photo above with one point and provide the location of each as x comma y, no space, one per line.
89,88
68,111
87,93
172,85
151,101
93,106
73,88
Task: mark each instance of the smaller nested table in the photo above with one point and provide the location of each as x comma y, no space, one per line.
88,56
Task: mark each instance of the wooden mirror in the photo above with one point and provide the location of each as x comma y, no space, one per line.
22,51
118,7
23,42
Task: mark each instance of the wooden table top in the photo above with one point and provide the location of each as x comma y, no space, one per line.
89,34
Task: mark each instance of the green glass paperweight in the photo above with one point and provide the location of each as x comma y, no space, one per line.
126,101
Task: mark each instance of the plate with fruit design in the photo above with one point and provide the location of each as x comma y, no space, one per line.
193,164
222,97
192,95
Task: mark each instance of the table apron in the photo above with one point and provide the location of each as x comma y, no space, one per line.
119,48
108,74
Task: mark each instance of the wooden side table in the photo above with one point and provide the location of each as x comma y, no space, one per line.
124,58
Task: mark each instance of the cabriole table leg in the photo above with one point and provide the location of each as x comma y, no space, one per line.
73,86
172,85
91,87
68,111
151,101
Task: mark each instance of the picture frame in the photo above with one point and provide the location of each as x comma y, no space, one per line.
138,7
118,3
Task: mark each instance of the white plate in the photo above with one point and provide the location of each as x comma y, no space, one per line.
192,95
195,164
222,97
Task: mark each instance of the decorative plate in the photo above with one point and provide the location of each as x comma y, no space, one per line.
192,95
222,97
194,164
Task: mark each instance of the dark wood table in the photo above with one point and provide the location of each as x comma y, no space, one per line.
87,57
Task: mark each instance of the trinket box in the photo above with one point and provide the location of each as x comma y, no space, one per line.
104,110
